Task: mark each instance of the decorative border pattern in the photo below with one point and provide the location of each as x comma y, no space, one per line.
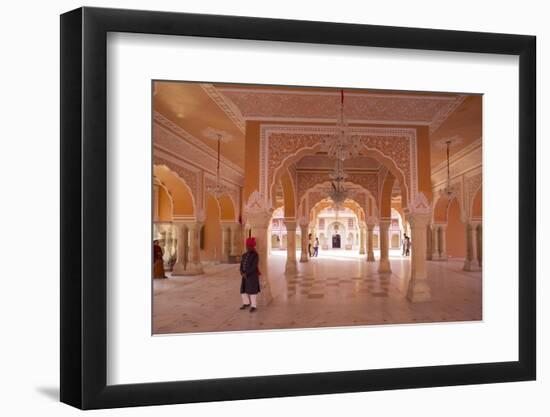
323,111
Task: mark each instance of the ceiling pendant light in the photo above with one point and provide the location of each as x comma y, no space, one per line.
344,145
449,191
338,193
219,189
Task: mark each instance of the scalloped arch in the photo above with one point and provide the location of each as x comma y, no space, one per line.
371,153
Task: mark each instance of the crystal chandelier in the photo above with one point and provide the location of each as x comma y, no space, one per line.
219,189
448,191
344,146
338,194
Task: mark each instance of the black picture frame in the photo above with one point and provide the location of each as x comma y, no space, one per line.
84,207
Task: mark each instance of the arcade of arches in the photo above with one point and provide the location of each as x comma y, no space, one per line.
276,178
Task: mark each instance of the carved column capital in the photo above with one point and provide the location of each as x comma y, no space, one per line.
290,225
372,220
257,211
384,224
419,219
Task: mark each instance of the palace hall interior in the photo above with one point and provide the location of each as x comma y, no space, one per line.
366,206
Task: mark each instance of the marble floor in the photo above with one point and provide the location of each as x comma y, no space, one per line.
339,288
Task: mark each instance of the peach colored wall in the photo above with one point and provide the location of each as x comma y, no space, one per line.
440,209
288,192
165,206
227,209
456,232
385,202
424,161
212,231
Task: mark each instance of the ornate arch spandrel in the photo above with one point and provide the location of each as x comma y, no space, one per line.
188,178
393,147
472,185
307,181
315,197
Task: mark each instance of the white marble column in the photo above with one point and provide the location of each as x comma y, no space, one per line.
471,263
362,238
194,266
384,265
370,242
269,243
418,289
236,237
435,242
182,249
172,248
304,229
258,221
226,242
429,242
443,242
291,265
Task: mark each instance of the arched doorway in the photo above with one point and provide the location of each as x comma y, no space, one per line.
336,241
336,230
185,241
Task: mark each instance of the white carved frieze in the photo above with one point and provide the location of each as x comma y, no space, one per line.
309,106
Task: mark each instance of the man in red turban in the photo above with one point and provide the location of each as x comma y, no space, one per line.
250,280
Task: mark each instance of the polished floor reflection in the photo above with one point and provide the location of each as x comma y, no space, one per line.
337,289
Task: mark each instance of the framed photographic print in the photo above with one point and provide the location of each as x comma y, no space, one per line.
258,208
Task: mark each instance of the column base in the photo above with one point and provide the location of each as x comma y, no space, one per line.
264,297
471,266
178,269
304,257
435,257
291,267
419,291
443,258
370,257
190,269
234,259
384,266
362,252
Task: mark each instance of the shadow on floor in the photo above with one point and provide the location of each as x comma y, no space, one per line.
50,392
